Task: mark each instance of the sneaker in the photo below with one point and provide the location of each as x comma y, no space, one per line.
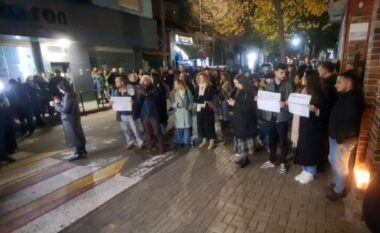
298,177
282,168
268,164
306,178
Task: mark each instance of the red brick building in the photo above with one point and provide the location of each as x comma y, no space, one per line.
361,48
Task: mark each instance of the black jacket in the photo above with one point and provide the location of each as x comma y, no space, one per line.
331,96
346,116
244,119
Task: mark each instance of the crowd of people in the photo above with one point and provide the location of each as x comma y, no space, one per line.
204,100
25,106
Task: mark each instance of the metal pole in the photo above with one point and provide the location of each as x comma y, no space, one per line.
200,22
163,31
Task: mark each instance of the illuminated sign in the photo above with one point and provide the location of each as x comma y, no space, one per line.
36,14
183,39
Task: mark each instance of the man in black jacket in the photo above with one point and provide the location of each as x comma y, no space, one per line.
328,78
344,127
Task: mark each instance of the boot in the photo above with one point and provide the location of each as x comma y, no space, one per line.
204,141
211,145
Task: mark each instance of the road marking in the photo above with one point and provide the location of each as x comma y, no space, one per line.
68,213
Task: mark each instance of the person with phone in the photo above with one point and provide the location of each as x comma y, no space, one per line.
68,107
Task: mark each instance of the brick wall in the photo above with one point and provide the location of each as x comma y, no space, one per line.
368,151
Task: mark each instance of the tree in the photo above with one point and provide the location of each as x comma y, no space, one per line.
275,20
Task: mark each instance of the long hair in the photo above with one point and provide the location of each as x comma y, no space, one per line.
65,86
178,82
248,86
313,84
205,76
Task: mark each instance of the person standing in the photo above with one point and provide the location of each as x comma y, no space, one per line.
111,80
70,116
244,119
21,105
309,129
205,110
344,127
278,123
326,70
164,94
100,84
224,94
182,106
150,113
128,119
53,83
8,144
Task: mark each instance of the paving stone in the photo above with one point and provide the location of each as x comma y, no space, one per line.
205,191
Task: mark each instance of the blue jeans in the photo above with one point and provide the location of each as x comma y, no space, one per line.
182,136
310,169
339,158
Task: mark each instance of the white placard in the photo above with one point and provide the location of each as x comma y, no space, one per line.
299,104
358,31
269,101
121,103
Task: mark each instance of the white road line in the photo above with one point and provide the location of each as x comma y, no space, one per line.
73,210
27,170
34,192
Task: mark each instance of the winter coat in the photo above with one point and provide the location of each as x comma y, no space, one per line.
182,106
244,118
206,114
310,135
70,116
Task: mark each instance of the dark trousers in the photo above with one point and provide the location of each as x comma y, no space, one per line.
278,133
29,125
153,130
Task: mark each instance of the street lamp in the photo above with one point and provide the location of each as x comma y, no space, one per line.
296,41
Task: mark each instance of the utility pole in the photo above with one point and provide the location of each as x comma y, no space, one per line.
163,31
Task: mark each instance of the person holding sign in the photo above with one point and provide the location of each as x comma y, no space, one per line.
278,122
309,129
128,116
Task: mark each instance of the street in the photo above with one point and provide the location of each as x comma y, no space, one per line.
182,191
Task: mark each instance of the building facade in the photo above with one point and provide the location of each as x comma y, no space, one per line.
39,36
360,48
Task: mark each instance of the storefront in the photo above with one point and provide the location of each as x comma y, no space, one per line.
185,50
40,36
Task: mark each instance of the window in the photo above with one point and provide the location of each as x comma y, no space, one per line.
134,5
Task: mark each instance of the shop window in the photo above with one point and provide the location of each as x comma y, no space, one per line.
134,5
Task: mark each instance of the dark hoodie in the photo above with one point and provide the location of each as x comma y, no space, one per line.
345,118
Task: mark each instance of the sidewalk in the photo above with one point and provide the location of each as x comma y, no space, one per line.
205,191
